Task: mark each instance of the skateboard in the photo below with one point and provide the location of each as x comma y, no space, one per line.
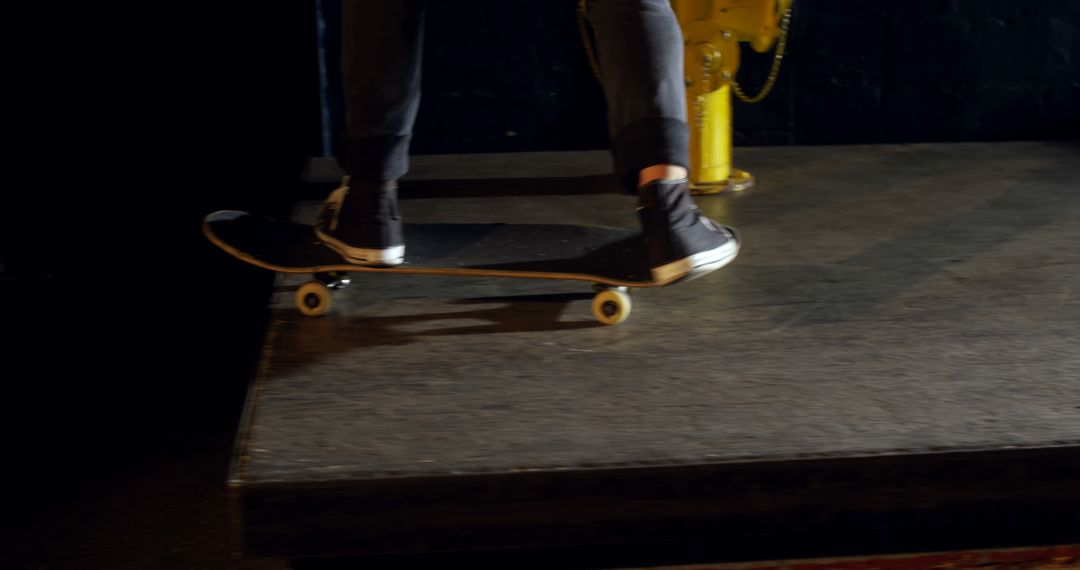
612,259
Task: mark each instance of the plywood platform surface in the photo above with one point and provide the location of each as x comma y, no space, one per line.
903,298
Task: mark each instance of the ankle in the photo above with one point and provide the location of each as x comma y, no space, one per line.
656,172
371,186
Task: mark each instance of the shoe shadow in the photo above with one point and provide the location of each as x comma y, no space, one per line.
409,189
622,260
503,187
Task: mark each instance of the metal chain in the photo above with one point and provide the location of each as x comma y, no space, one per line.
702,90
774,71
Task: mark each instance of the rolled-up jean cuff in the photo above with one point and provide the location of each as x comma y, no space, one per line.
648,142
381,157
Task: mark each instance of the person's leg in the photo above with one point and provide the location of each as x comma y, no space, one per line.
640,52
382,43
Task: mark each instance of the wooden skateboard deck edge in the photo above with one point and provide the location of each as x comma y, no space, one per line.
420,270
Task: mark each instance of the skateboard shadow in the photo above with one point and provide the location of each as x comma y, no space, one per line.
311,340
623,260
515,313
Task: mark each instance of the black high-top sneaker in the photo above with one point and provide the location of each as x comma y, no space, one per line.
361,221
680,241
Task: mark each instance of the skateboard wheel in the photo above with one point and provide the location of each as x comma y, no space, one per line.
313,299
612,306
334,280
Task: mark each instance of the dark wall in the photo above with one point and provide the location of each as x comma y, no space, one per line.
127,331
497,77
933,70
505,76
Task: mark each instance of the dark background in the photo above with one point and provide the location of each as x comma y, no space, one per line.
129,338
502,77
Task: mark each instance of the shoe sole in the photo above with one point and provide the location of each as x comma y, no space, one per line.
698,264
369,257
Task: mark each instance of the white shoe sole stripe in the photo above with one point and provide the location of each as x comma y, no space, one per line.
697,264
393,255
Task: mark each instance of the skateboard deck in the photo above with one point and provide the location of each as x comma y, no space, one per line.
611,258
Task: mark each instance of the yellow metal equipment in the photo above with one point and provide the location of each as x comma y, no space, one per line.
712,30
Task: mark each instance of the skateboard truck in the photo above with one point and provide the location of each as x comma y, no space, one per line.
334,280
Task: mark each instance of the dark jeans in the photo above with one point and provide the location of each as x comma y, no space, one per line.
640,53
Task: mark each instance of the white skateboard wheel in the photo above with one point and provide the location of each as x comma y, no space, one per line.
313,299
612,306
